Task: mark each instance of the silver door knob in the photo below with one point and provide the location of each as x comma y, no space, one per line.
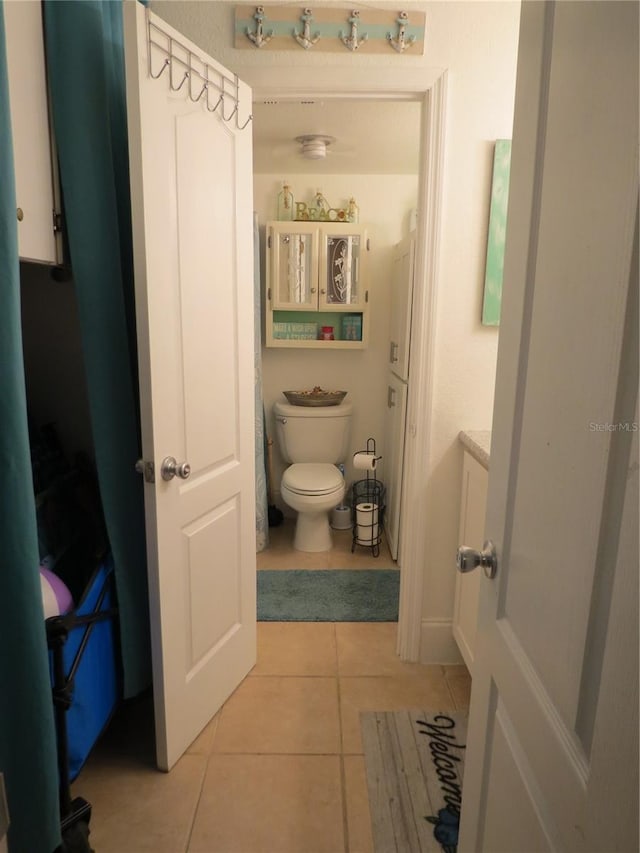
469,559
146,469
170,469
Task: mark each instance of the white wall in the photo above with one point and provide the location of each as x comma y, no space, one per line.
385,202
476,42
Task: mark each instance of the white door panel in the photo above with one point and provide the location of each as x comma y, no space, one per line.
394,441
401,301
511,778
192,203
543,718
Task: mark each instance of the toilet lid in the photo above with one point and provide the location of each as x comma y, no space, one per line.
312,478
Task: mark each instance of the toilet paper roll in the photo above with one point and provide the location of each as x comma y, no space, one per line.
367,523
365,461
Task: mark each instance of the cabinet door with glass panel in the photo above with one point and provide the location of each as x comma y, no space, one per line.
294,265
342,256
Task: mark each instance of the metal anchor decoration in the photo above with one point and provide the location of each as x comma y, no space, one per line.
401,43
306,40
353,41
259,38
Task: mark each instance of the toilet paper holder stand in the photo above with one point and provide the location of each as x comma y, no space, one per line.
368,507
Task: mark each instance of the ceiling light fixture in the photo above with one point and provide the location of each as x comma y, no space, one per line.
314,145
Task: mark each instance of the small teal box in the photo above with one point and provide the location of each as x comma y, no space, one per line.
352,327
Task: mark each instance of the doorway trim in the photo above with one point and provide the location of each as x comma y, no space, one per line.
428,86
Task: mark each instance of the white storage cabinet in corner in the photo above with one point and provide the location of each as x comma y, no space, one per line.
473,505
316,276
39,238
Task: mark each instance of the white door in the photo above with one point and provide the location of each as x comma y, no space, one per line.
394,451
401,298
191,173
553,732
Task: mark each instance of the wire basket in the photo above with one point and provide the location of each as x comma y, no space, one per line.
367,514
368,491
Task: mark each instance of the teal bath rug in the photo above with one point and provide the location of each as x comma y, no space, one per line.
328,595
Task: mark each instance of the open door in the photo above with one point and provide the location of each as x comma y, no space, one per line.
552,759
191,191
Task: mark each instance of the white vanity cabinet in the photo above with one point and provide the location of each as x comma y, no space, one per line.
473,505
36,183
315,277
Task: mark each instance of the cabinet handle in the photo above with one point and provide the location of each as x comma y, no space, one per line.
313,290
390,397
19,214
393,352
323,292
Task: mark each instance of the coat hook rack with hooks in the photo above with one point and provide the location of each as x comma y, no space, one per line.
165,51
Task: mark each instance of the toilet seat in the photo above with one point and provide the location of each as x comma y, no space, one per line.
312,478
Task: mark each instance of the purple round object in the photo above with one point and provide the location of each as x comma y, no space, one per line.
56,597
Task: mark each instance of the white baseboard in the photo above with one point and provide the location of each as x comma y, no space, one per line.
437,644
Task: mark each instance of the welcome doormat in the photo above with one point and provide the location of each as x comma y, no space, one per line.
328,595
415,763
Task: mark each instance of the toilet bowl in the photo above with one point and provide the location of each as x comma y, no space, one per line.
312,489
313,440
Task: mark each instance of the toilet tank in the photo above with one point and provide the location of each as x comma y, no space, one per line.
313,433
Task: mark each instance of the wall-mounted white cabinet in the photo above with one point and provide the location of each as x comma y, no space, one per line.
402,281
316,277
36,193
473,506
402,277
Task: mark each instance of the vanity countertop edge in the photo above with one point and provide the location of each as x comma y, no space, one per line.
478,443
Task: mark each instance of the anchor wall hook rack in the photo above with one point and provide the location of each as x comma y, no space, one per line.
305,39
353,40
329,28
400,43
259,37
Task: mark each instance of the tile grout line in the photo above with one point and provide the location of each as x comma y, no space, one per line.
204,776
451,694
343,775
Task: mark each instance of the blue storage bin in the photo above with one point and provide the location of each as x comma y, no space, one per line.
91,688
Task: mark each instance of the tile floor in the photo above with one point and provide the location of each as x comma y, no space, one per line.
281,555
280,768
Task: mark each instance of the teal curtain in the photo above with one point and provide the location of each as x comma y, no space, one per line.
85,64
27,734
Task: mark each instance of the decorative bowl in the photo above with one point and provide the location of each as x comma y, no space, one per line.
316,397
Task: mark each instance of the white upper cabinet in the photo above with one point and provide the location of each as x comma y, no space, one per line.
316,271
35,198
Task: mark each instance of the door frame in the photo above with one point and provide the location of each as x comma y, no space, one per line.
429,87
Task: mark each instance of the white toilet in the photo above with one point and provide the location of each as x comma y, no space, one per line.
314,439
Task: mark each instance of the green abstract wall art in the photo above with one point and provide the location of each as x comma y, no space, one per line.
497,233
